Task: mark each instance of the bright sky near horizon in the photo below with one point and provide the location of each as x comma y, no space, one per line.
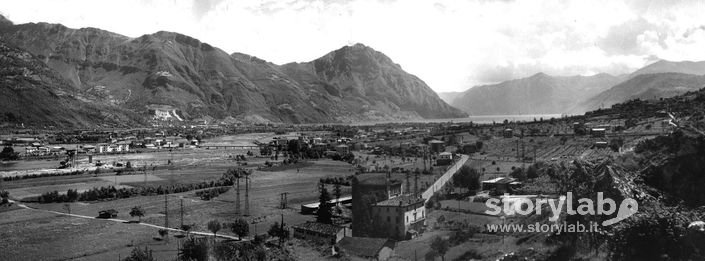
451,45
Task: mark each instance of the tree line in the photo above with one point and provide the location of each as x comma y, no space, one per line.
111,192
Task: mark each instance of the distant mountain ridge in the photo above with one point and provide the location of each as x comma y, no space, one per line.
350,84
537,94
664,66
544,94
645,87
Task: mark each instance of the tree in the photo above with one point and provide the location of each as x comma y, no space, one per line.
214,226
8,153
430,255
324,214
194,249
4,196
518,173
139,254
440,246
163,233
467,177
138,212
240,228
278,230
337,191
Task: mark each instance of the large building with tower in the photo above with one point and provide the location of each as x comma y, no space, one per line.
381,208
367,190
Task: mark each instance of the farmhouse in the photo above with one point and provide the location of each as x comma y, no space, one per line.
508,133
500,185
598,132
444,158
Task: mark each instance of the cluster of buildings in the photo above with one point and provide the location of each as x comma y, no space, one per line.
382,212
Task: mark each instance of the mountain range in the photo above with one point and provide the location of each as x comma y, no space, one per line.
545,94
179,73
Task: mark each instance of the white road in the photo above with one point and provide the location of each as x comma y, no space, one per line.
125,222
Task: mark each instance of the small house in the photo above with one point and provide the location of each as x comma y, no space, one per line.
444,158
598,132
110,213
501,185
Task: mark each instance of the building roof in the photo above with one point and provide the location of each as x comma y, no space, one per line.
362,246
500,180
403,200
325,229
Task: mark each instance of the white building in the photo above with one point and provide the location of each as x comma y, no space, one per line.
401,217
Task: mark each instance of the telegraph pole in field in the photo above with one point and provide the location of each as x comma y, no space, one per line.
182,212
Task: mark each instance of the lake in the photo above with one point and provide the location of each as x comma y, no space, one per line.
474,119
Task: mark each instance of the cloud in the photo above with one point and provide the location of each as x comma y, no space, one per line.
202,7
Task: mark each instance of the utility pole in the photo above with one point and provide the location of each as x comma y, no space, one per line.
237,194
247,194
281,236
182,212
416,184
424,159
283,200
166,210
408,184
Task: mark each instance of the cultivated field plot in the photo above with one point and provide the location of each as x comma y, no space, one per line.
97,239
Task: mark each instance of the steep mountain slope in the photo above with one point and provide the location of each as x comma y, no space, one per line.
538,94
33,95
174,70
449,97
645,86
663,66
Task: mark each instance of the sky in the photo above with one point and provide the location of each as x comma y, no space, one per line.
451,45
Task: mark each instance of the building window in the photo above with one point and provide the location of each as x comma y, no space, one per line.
388,219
